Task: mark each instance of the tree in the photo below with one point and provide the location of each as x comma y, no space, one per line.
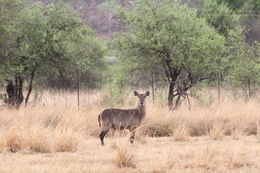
10,15
10,11
171,37
229,18
220,16
53,37
245,67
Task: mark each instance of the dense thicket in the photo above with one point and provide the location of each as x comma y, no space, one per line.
45,43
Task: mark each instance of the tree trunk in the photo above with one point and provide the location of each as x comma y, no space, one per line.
249,88
15,92
30,88
153,87
178,101
171,95
172,75
10,89
219,88
20,91
78,87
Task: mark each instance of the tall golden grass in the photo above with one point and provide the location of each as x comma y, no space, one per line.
53,123
210,137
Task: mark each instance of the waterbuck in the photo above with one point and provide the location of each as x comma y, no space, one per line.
119,119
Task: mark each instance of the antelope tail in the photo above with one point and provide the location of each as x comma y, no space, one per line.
99,119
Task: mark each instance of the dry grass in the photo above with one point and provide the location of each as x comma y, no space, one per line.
124,158
219,137
206,158
14,141
180,133
216,132
67,140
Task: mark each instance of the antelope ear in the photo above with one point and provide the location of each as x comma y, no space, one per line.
147,93
135,93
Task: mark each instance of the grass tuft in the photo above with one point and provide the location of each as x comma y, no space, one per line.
206,158
216,132
235,161
124,158
14,141
66,140
180,133
38,140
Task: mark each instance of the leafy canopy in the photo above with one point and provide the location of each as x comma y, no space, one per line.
170,36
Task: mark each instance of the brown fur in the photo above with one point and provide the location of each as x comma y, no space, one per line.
120,119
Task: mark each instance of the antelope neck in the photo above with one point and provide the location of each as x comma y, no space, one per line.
141,110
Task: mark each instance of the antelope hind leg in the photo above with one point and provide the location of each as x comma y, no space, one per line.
102,135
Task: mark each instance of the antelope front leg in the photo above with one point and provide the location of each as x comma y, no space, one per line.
132,135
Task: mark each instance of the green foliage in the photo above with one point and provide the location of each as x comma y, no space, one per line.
227,15
240,67
219,15
114,96
233,4
242,6
253,6
203,94
53,39
108,6
45,42
54,36
115,86
245,67
9,29
158,27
